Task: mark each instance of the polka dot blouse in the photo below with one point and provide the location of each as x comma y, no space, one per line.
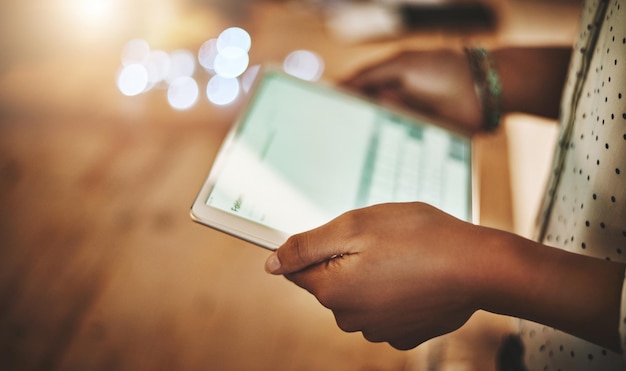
584,210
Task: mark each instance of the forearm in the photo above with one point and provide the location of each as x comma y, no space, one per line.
532,78
577,294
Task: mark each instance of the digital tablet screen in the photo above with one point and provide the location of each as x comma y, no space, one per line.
304,153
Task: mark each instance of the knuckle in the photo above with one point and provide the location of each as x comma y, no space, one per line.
301,248
372,337
346,323
352,223
295,252
405,344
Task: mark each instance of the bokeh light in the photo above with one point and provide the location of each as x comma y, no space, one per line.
92,14
222,91
92,9
228,55
132,79
182,93
234,37
158,64
231,62
247,79
135,51
304,64
224,61
207,53
182,63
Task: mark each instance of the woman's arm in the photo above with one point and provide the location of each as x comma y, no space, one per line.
440,82
405,273
574,293
532,78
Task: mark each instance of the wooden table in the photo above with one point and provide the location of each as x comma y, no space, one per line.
101,267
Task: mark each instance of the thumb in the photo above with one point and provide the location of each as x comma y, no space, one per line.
302,251
383,72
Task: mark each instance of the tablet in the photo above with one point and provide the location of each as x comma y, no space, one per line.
302,153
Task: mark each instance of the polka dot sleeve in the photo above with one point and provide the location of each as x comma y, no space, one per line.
622,325
584,209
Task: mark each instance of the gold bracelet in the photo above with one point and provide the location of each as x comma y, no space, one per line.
487,85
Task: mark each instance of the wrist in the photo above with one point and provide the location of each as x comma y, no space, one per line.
496,271
486,269
574,293
506,272
487,86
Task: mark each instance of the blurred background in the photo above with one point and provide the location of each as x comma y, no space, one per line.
111,112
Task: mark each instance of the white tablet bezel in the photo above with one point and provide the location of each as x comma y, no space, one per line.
263,235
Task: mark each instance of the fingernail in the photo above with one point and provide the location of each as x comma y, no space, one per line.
272,264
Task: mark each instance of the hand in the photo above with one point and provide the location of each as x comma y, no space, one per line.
436,82
407,272
400,273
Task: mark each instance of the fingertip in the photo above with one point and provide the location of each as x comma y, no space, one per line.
353,81
272,264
